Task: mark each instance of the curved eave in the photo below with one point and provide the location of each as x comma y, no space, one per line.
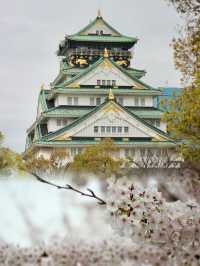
128,144
104,91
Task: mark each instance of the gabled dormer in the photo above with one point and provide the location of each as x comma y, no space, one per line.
86,46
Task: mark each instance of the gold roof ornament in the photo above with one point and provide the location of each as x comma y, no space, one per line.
99,13
106,53
111,96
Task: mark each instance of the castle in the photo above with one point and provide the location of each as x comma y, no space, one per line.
97,95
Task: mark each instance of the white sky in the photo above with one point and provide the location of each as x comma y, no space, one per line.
31,31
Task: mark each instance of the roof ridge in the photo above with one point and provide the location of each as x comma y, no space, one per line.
93,23
100,60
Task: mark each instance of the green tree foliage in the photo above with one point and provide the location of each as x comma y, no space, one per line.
98,159
57,164
9,160
184,116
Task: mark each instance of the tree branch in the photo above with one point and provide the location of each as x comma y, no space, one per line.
91,193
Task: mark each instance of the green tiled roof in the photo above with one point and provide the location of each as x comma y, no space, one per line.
118,142
104,91
77,111
101,38
136,72
93,66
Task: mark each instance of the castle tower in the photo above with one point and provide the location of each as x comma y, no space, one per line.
97,94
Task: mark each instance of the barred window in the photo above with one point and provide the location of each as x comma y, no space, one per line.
92,101
125,129
103,129
75,100
96,129
69,100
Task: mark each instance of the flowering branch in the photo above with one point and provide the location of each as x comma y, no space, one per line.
91,193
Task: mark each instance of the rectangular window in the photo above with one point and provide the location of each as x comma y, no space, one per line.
119,129
136,101
113,83
92,101
120,100
108,129
108,82
103,82
157,123
125,129
65,121
98,101
75,100
96,129
143,101
98,82
114,129
69,100
103,129
59,122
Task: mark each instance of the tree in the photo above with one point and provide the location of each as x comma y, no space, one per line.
99,159
183,117
57,164
9,160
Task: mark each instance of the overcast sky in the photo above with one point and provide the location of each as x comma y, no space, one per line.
31,31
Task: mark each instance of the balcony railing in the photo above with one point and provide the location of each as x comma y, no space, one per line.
98,52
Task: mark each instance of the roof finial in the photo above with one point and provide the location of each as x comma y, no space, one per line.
42,87
106,54
111,96
99,13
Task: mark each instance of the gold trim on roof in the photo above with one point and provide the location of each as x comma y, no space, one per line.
111,95
106,53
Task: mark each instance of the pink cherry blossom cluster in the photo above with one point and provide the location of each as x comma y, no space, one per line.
146,217
114,252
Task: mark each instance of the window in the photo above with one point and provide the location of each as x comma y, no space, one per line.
136,101
92,101
108,82
103,129
143,101
98,101
98,82
157,123
59,122
113,83
114,129
121,100
97,32
69,100
96,129
119,129
125,129
65,121
75,100
103,82
101,32
108,129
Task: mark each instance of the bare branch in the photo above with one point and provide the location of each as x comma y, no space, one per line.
69,187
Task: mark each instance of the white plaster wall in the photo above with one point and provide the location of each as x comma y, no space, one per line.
99,27
84,100
103,73
52,123
110,120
